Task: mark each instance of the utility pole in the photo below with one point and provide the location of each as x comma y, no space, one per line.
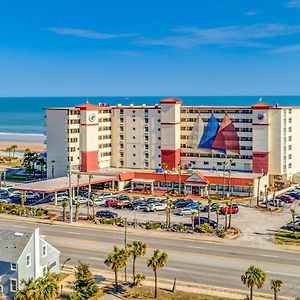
70,193
125,241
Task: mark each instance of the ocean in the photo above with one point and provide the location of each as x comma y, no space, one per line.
22,118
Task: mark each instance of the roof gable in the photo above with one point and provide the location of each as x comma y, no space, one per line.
197,177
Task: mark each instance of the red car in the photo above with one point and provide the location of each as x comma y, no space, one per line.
234,209
286,198
111,202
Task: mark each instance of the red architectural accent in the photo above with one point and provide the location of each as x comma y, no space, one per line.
88,106
227,138
89,161
171,158
260,161
261,106
170,101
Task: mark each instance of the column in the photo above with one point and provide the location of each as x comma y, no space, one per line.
55,198
170,132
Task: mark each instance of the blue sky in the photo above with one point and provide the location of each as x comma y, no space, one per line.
143,47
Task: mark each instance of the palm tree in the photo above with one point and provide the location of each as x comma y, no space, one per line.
136,249
78,181
258,190
22,199
254,277
209,202
226,215
199,211
93,198
224,163
48,287
77,211
230,162
165,168
52,168
293,212
266,195
28,292
8,149
64,206
89,195
156,262
42,164
180,168
116,260
218,207
13,149
276,286
230,214
170,206
193,221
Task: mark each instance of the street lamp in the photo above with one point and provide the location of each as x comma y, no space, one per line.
70,193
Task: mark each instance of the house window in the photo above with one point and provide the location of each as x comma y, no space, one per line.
1,289
28,260
13,267
13,285
44,250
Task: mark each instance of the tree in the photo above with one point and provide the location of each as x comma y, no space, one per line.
93,198
276,286
77,205
64,206
78,181
258,190
193,221
199,211
254,277
156,262
23,199
89,195
230,162
165,168
116,260
226,217
85,286
224,164
180,168
209,202
8,149
218,207
52,168
136,249
42,164
48,287
13,149
170,206
293,212
266,195
28,292
230,213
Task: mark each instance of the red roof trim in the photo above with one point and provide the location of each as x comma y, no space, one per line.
88,106
261,106
170,101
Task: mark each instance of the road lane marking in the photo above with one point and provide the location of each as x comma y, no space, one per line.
19,226
268,255
96,258
196,247
172,269
284,274
72,232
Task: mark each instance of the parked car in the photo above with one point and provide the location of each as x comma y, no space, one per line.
213,207
111,202
152,200
106,214
234,209
107,195
290,225
180,203
126,204
123,197
4,193
157,206
32,195
61,196
142,207
286,198
138,198
295,195
98,201
204,220
187,211
275,203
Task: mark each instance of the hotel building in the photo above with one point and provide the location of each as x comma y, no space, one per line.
246,143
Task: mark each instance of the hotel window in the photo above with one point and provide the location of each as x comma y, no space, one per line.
159,147
290,138
290,111
206,163
121,120
134,164
159,138
121,128
13,267
122,146
121,111
146,120
44,250
133,120
290,129
146,137
290,165
1,289
146,129
133,146
146,164
146,111
122,163
122,154
146,146
146,155
290,156
290,147
121,137
290,120
13,285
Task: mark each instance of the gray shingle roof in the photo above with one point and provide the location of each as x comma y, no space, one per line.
12,245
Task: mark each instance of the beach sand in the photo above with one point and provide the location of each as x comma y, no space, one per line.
36,147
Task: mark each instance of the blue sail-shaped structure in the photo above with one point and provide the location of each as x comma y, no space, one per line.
209,133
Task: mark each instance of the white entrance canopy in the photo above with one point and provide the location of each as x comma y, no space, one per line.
62,183
144,182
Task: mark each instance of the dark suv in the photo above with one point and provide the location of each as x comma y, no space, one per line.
106,214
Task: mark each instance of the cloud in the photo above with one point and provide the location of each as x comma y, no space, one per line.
286,49
127,53
251,13
293,4
229,36
88,34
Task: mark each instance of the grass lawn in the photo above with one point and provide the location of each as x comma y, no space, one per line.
287,237
145,292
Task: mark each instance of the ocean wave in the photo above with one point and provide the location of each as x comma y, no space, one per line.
22,134
22,137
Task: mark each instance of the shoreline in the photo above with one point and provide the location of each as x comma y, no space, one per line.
21,146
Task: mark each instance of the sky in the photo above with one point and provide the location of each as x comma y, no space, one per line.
149,47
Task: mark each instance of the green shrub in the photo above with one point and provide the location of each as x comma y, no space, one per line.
221,233
153,225
204,228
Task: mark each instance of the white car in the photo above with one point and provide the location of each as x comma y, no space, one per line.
187,211
107,195
98,201
80,200
31,195
157,206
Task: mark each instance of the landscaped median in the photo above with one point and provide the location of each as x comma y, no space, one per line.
287,237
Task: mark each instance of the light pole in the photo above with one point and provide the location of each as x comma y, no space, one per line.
125,241
70,193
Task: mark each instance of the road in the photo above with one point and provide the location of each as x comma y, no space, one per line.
202,262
